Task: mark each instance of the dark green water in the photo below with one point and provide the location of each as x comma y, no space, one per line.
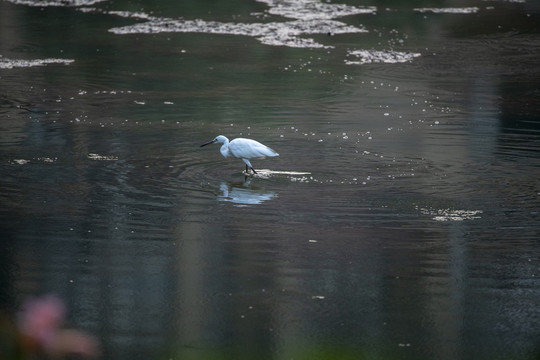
414,235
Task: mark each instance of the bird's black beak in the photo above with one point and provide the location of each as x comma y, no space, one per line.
208,143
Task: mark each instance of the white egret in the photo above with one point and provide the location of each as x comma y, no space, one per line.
244,149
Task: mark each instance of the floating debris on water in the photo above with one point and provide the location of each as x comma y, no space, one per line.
373,56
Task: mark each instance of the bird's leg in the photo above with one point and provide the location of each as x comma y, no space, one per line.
248,166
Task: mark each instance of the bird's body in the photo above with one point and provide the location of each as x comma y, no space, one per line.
244,149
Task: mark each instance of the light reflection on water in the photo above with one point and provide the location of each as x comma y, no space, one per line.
400,221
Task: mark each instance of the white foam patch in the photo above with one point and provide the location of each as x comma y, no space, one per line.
20,161
464,10
452,214
99,157
311,17
6,63
39,159
66,3
372,56
278,172
132,15
267,173
314,10
273,33
46,159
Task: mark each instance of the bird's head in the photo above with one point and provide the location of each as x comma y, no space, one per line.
218,139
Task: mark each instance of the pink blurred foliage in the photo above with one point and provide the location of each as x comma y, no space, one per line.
40,318
41,321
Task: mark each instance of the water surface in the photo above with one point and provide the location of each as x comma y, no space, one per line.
400,220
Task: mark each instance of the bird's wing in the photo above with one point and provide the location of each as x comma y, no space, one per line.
250,149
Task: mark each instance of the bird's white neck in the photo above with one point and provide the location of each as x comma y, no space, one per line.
225,149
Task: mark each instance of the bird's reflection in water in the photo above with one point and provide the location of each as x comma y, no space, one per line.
243,193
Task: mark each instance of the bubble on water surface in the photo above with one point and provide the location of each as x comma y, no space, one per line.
373,56
303,179
6,63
